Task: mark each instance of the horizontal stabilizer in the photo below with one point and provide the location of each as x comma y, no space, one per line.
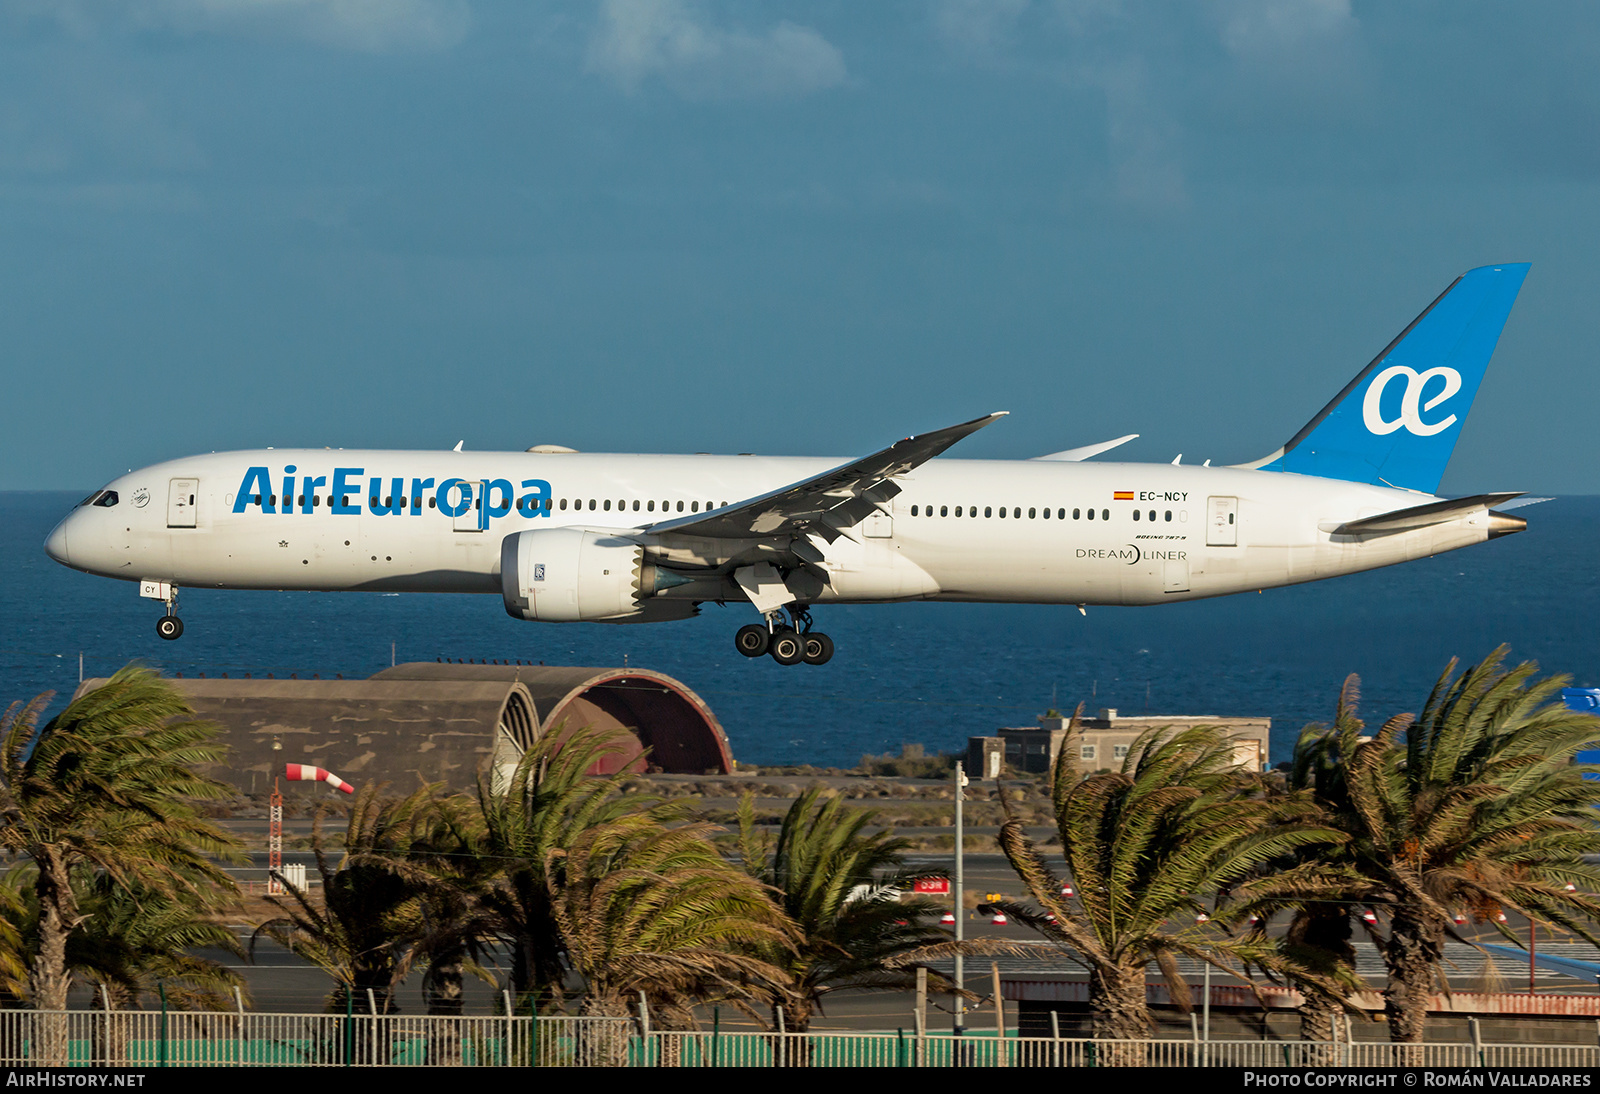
1522,501
1419,516
1074,455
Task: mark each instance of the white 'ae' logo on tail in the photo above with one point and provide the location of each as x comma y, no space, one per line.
1410,411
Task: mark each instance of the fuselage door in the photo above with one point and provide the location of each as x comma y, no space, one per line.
181,495
1222,522
475,517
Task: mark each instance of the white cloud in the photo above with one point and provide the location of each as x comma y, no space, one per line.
667,39
369,26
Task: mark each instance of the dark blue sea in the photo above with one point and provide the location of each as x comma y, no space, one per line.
931,674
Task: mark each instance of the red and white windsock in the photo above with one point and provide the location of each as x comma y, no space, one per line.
305,773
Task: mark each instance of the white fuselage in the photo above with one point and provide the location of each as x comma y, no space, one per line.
1199,532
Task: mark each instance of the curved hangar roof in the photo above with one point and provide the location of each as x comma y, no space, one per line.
670,720
442,721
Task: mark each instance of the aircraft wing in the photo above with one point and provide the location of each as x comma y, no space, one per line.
830,502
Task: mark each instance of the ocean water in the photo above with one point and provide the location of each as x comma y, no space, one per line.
931,674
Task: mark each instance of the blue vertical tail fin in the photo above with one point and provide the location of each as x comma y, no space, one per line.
1397,422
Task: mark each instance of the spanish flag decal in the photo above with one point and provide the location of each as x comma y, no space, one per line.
1122,495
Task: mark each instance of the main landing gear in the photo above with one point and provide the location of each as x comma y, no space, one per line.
789,643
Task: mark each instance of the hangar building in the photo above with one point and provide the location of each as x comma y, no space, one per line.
443,722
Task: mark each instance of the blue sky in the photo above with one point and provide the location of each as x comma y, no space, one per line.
667,225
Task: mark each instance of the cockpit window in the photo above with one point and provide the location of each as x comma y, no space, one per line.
90,499
107,499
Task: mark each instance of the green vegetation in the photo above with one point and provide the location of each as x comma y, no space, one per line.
837,883
109,788
369,917
1144,845
912,763
107,795
1475,808
602,893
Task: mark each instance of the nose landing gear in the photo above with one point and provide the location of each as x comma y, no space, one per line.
168,626
789,642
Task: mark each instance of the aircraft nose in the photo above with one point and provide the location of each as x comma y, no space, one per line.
56,545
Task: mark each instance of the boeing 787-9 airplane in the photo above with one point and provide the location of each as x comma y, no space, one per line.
566,537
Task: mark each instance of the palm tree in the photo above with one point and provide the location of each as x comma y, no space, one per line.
132,941
549,802
646,907
1317,884
447,846
1143,845
16,885
109,785
1477,807
369,921
837,883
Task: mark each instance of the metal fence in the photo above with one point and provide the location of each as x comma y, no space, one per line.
247,1039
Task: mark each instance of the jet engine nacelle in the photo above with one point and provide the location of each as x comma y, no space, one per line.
572,575
569,575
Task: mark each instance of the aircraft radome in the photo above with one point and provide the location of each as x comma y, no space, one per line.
565,536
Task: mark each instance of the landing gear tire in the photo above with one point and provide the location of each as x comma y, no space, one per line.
788,648
753,640
169,627
818,648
